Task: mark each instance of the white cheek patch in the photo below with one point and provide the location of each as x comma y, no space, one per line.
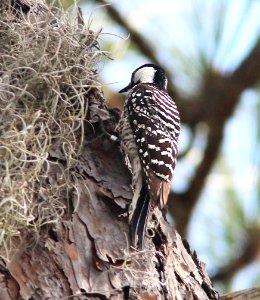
145,75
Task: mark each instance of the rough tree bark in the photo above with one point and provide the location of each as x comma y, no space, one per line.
86,254
218,97
216,101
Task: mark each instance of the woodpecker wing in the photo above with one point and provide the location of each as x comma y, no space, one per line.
155,122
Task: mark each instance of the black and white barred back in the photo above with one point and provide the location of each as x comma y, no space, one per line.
149,129
155,123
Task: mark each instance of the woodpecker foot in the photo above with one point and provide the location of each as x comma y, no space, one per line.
112,137
101,132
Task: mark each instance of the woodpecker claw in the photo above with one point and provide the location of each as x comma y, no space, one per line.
105,133
101,132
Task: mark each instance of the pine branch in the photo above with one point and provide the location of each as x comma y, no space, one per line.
249,254
219,97
141,42
249,294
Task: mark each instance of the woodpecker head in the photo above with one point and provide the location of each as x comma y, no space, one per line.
148,73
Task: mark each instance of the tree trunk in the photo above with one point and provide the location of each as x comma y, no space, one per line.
85,254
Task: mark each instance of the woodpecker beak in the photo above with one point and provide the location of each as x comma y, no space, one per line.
127,88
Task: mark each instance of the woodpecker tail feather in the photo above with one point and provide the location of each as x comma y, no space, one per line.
164,193
139,219
158,190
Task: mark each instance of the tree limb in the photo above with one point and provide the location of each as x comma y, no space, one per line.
249,254
74,240
249,294
140,42
218,100
182,205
